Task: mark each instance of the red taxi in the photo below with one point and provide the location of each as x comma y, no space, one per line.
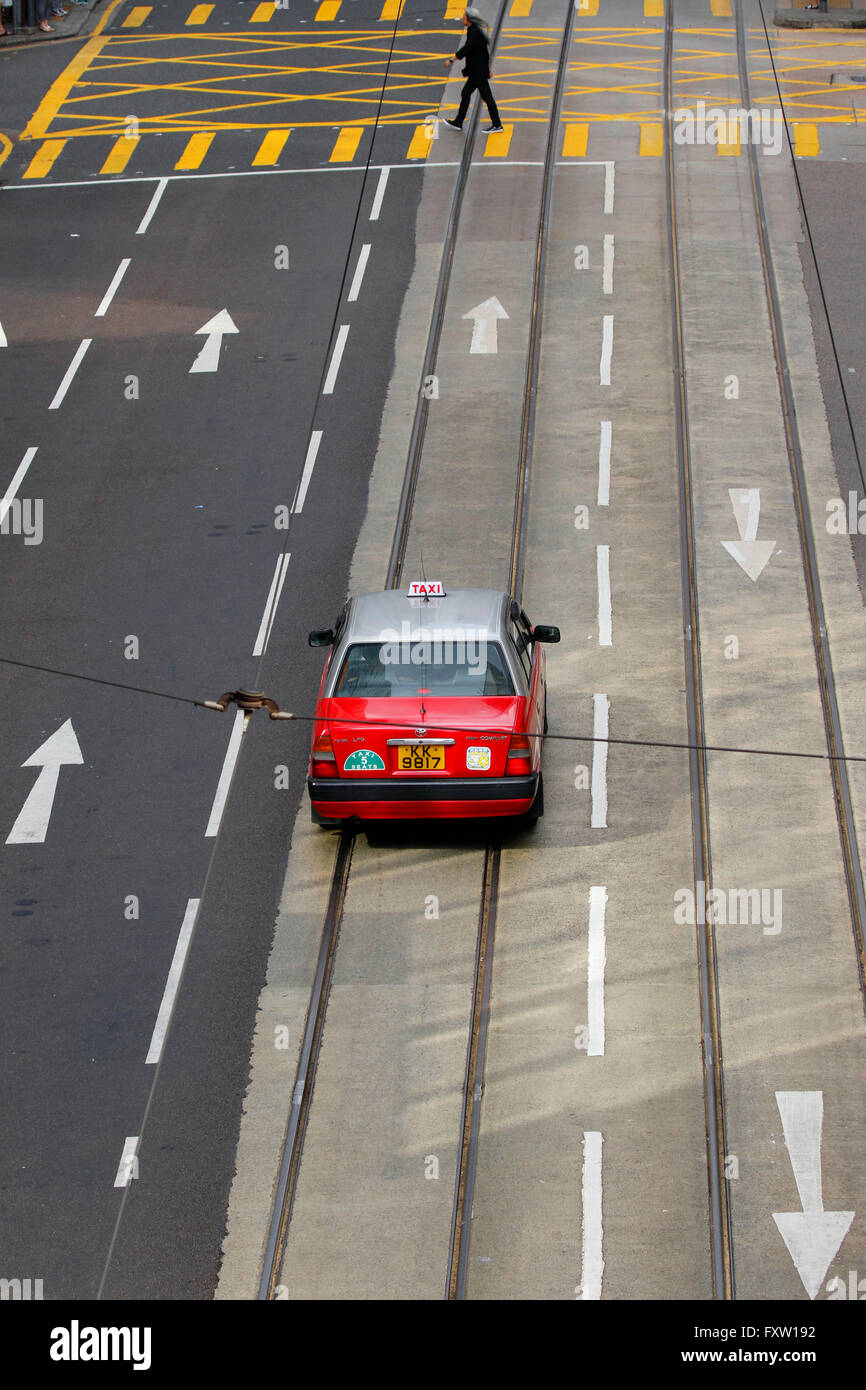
431,705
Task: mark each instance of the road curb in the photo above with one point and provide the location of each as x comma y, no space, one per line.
820,19
78,23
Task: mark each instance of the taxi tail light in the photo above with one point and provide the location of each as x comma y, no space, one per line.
324,760
519,760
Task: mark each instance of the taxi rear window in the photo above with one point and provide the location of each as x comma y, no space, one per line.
374,670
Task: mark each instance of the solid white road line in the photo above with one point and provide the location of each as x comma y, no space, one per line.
309,465
608,185
112,288
273,599
595,972
154,204
604,464
380,193
127,1168
598,786
359,272
607,270
336,359
606,350
9,495
70,373
605,616
227,773
592,1262
163,1018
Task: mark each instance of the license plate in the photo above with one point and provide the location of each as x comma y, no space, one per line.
419,757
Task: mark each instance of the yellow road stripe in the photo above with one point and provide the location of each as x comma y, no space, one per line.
653,8
197,147
454,9
262,13
652,138
121,151
136,17
115,4
574,144
346,144
200,14
271,147
43,159
392,9
806,138
721,8
589,7
5,147
519,9
421,142
60,89
497,145
729,139
327,11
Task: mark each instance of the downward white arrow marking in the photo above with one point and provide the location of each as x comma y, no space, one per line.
813,1235
484,331
62,747
750,554
208,359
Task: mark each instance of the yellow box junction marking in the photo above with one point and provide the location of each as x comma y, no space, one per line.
121,152
652,138
519,9
721,8
199,14
271,147
327,11
421,142
392,9
497,145
262,14
346,144
136,17
60,89
653,9
43,159
806,138
197,147
574,143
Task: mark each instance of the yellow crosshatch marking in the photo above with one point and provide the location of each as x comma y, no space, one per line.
199,14
121,153
136,17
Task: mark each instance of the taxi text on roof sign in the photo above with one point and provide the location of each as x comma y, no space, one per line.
428,588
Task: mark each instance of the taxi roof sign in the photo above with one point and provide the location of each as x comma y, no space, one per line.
426,588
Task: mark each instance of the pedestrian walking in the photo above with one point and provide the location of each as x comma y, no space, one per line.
476,70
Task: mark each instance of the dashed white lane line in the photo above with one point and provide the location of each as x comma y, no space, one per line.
309,465
112,288
609,176
20,472
598,785
605,613
127,1168
606,350
226,775
273,599
604,464
359,272
595,972
607,265
380,193
336,359
163,1018
154,204
70,373
592,1262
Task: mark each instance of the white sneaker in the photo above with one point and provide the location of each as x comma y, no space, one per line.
491,129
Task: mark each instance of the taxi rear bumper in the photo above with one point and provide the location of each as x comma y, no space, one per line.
383,798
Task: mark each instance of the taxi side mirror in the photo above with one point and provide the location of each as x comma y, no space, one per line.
322,637
541,633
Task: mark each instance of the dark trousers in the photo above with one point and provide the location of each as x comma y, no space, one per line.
482,85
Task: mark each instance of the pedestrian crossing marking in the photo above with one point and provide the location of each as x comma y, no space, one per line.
43,159
271,148
497,145
263,13
721,8
196,148
136,17
652,9
806,138
121,152
454,9
520,9
199,14
729,143
327,11
346,144
421,142
392,9
574,143
652,137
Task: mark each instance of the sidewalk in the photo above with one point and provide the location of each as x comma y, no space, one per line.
820,19
76,21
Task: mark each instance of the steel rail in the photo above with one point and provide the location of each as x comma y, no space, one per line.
820,640
714,1099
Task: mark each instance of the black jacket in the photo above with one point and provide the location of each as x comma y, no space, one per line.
476,53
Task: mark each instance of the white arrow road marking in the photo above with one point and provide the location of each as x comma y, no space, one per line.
484,331
592,1260
750,554
163,1018
9,495
598,785
812,1235
3,342
127,1168
595,972
61,748
208,359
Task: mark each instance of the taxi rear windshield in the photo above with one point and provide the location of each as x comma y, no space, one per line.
375,670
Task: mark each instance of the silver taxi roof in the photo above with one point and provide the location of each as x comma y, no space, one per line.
481,610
